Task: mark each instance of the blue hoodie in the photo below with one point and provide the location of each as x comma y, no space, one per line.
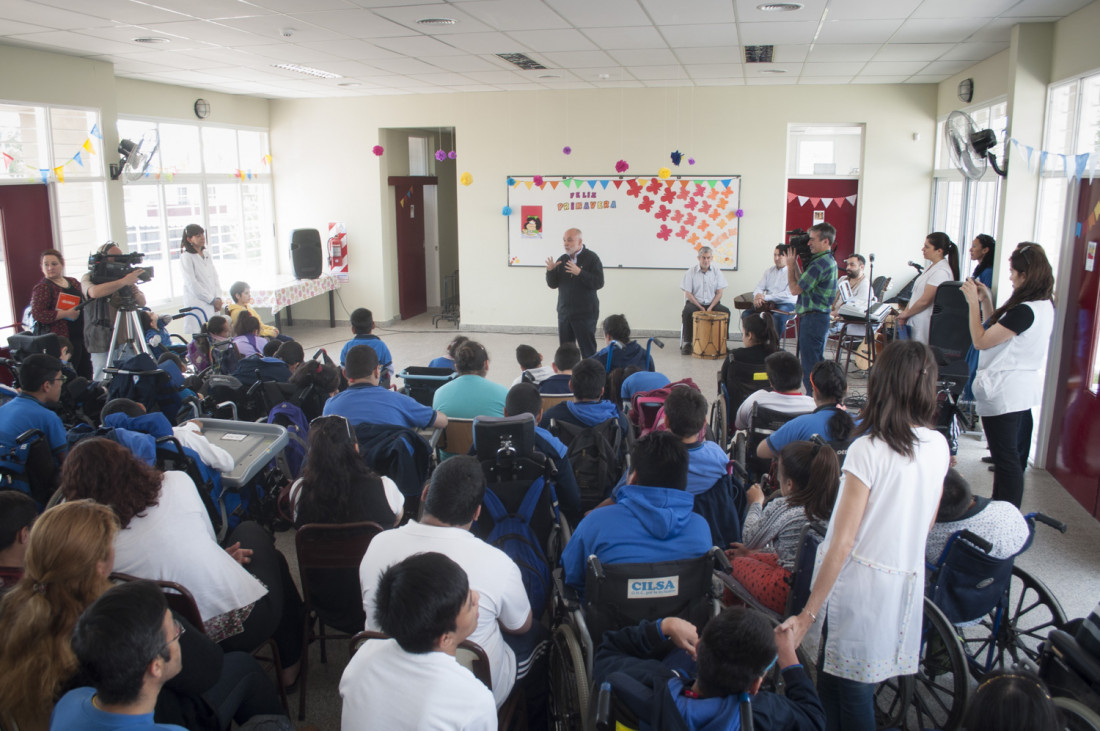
645,525
139,434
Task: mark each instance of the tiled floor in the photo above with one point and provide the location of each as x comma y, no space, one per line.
1066,563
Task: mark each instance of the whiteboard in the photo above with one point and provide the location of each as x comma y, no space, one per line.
631,222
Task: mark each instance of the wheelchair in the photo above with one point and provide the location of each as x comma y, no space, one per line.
29,466
749,378
616,596
762,424
1072,674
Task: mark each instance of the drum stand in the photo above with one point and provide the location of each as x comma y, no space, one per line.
126,337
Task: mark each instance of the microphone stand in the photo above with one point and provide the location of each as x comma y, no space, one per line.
869,335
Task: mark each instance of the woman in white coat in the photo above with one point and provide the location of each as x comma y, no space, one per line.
874,548
943,255
201,287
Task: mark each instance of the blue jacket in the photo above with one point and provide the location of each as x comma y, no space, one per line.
645,525
585,413
384,358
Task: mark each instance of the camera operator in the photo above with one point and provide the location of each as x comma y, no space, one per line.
816,290
104,300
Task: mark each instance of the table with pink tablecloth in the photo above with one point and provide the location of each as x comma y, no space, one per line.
283,291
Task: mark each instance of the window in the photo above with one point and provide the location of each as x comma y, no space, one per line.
217,177
824,151
963,208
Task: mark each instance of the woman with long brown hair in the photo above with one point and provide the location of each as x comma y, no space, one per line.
892,480
69,558
244,593
1012,347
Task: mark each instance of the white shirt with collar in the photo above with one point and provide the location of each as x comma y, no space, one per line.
775,287
703,285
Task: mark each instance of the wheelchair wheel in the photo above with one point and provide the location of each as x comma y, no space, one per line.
936,696
1015,628
1076,716
568,682
719,426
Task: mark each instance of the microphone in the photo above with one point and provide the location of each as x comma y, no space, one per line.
871,257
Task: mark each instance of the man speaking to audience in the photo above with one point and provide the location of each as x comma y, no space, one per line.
576,274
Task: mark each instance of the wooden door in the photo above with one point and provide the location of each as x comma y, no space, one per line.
408,196
1073,455
28,231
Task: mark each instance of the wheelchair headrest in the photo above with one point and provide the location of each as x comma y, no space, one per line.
504,436
23,344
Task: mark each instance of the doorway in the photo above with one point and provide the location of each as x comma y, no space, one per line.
412,289
26,230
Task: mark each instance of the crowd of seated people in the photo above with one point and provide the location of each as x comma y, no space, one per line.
158,528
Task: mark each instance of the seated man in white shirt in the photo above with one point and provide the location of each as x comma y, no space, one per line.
774,292
703,285
853,288
413,681
785,377
451,503
997,521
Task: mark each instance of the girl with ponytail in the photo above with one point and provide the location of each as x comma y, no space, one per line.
743,369
941,251
829,419
809,475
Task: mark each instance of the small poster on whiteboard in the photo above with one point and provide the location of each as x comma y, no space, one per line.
338,251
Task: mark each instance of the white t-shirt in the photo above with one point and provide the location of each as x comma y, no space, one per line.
933,276
384,687
489,570
191,437
872,640
174,540
999,522
786,403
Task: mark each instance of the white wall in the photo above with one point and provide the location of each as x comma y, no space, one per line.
733,130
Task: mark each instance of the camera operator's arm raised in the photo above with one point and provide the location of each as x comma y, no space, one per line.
106,289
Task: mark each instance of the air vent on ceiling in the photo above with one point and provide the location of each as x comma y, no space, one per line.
307,70
152,39
758,54
779,7
436,21
522,60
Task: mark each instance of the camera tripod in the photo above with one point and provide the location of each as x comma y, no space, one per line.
126,337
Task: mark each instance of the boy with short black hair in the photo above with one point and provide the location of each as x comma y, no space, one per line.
17,514
701,685
588,407
566,357
362,324
530,360
686,416
785,377
624,351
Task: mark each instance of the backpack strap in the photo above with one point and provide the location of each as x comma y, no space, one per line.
531,500
495,506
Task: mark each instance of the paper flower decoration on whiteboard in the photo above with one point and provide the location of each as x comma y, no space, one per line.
537,180
466,178
567,150
739,213
440,155
378,150
664,173
622,166
677,157
507,210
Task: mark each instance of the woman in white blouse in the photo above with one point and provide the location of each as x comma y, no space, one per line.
868,586
943,256
201,287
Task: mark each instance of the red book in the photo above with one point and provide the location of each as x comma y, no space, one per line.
66,301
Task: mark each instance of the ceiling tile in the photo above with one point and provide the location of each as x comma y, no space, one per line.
816,68
937,31
843,51
13,27
495,77
540,76
720,82
871,9
602,14
127,34
567,85
547,41
408,15
350,68
646,73
122,67
276,28
858,31
49,17
998,30
402,65
211,9
716,71
757,33
810,79
664,83
926,79
442,79
463,64
613,73
628,84
789,53
913,51
748,12
351,48
202,30
290,53
714,54
580,59
893,68
945,9
288,6
622,38
173,59
973,51
757,69
1034,8
521,87
486,43
771,80
514,14
418,46
686,13
77,42
948,68
652,57
357,23
864,79
124,10
691,36
474,88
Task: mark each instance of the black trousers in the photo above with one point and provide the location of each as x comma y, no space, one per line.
581,330
687,318
1007,435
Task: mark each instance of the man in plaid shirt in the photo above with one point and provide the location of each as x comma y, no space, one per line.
816,290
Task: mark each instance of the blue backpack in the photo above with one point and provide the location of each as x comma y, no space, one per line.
293,419
512,534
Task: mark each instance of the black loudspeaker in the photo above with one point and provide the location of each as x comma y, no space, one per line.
949,331
305,253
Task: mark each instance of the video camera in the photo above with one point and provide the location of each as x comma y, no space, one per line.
112,267
799,240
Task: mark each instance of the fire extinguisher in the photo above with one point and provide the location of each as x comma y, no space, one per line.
336,251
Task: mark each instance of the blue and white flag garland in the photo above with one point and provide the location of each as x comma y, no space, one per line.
1072,166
